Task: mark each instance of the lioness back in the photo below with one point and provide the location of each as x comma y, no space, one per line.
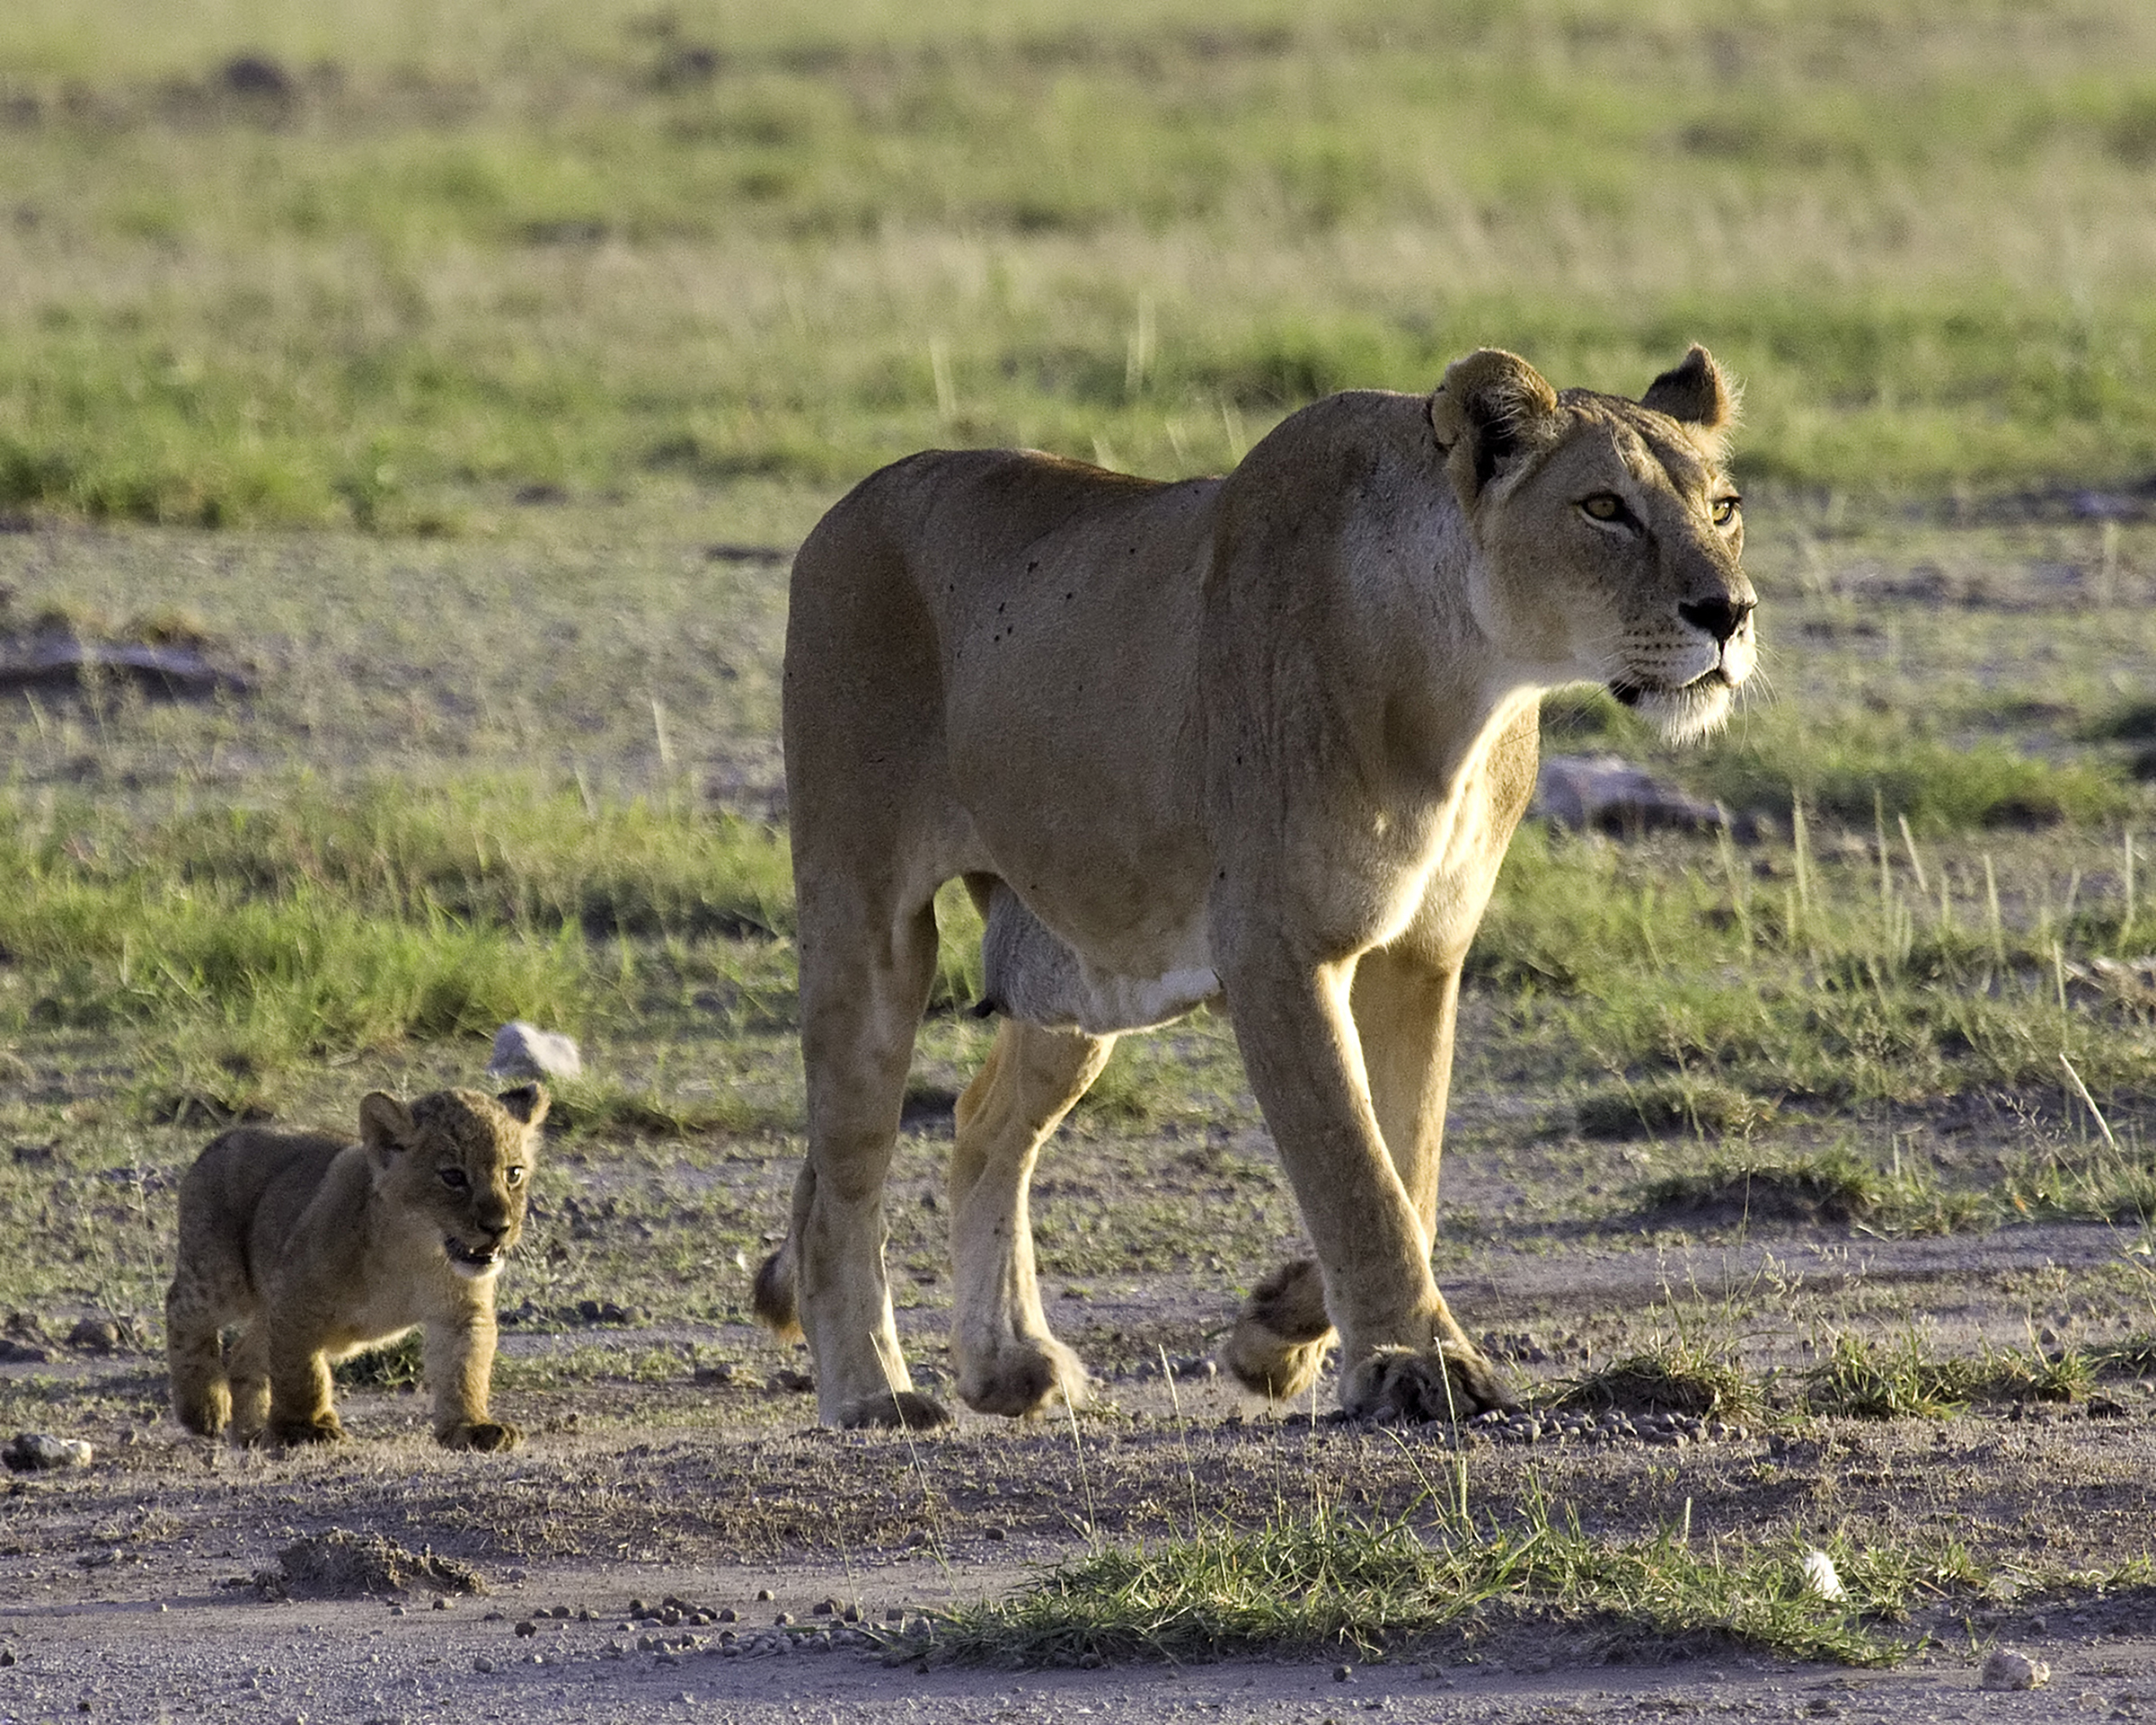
316,1247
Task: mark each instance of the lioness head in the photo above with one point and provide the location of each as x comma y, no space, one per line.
1606,534
461,1161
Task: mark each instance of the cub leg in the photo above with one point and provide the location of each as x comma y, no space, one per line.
248,1362
460,1366
300,1410
1007,1361
1402,1351
864,984
194,1355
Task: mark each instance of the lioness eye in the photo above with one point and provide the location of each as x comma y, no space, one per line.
1725,510
515,1176
454,1179
1605,506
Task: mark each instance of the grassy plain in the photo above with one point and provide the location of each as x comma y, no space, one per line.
449,371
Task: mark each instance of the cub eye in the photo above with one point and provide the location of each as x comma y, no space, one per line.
515,1176
1725,510
1605,506
454,1179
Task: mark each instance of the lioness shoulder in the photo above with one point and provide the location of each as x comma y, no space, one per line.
316,1247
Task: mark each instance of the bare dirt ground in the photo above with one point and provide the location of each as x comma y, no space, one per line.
130,1586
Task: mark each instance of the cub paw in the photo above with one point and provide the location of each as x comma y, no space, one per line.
899,1410
322,1431
1402,1384
479,1434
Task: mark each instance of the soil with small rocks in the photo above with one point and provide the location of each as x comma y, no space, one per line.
699,1538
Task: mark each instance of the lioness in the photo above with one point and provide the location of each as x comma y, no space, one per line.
318,1247
1263,738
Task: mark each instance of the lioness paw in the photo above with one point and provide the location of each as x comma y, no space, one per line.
480,1434
1404,1386
901,1410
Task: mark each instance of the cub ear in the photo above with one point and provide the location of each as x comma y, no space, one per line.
526,1103
1694,392
385,1125
1489,406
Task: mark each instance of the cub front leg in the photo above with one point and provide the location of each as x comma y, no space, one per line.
300,1410
1401,1351
459,1367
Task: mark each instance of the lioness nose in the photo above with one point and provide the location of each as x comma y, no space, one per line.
1719,617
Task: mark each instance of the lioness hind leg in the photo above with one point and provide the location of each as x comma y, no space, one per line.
1008,1362
1282,1334
864,984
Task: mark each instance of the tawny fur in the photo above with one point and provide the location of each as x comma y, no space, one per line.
316,1247
1262,738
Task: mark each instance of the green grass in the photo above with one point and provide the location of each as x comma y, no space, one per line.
1318,1580
615,251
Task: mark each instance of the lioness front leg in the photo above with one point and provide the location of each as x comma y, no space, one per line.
459,1367
1401,1351
1403,1006
1007,1361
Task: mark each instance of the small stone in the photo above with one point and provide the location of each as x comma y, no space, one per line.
483,1665
782,1619
396,1611
825,1608
528,1628
524,1050
34,1450
2009,1669
440,1604
765,1595
730,1616
1343,1674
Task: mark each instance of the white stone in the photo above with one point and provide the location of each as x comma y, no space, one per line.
1820,1580
524,1050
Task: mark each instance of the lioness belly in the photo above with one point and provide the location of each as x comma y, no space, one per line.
1031,973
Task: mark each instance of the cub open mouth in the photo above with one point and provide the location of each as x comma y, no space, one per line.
470,1257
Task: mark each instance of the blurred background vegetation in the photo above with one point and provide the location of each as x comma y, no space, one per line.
393,263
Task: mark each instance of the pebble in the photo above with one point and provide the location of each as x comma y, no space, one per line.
33,1450
2009,1669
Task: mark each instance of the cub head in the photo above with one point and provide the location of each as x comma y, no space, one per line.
461,1162
1606,534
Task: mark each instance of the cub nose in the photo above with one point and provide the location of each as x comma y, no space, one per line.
1719,617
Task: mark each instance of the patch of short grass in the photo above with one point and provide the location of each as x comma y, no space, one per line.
1697,1107
1318,1580
1686,1376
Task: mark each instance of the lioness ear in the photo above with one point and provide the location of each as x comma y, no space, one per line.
1694,391
385,1125
1488,406
526,1103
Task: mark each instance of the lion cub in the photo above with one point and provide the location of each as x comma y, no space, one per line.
318,1247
